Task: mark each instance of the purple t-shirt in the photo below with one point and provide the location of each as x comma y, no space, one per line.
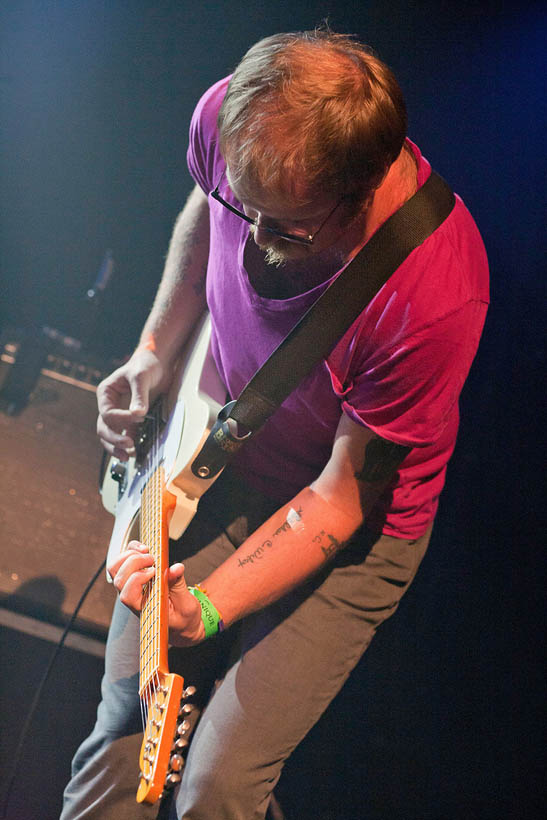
399,369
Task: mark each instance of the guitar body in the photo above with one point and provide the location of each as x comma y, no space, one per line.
190,411
153,497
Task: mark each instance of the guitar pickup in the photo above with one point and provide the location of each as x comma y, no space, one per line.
148,432
118,473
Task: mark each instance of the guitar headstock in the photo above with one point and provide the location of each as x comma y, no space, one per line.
165,736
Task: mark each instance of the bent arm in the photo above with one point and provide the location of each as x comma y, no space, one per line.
308,531
180,299
293,544
124,396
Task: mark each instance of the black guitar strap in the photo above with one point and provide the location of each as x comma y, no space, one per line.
326,321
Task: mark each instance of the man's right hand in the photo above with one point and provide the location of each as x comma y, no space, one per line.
124,396
123,399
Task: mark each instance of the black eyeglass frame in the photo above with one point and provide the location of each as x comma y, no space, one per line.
290,237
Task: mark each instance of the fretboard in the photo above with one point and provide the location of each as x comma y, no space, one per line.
154,613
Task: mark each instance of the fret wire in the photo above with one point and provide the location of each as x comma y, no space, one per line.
159,531
152,536
160,580
155,551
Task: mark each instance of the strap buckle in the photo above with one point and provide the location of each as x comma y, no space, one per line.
220,445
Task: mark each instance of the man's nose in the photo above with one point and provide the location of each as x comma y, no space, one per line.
261,233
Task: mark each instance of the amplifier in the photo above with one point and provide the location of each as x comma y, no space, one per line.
54,529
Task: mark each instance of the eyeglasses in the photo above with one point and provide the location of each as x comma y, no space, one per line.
301,237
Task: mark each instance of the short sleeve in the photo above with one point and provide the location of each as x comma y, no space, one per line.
203,157
406,393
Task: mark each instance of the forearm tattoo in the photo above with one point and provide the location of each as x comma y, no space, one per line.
259,553
381,460
327,543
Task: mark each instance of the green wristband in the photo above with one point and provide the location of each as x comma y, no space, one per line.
211,617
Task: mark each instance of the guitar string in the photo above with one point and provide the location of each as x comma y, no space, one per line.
144,713
143,661
153,584
157,543
153,534
145,537
145,626
158,580
144,621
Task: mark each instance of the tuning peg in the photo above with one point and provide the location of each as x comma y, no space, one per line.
180,744
183,727
172,779
189,692
176,763
186,708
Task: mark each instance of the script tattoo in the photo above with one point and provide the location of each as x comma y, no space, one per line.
328,543
259,553
381,460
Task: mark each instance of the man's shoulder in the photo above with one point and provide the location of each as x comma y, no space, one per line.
203,156
209,103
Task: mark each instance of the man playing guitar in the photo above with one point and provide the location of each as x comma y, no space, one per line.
310,537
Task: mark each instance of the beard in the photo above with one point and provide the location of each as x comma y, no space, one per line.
274,256
279,252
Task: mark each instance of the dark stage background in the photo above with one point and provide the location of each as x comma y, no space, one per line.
443,719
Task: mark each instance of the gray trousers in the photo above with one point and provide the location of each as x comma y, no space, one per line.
261,685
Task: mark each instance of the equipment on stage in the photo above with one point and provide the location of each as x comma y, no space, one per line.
154,496
40,349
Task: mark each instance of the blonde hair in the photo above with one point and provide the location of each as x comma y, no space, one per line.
312,112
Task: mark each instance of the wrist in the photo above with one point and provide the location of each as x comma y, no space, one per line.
200,634
148,342
152,350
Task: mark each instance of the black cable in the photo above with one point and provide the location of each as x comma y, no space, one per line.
38,695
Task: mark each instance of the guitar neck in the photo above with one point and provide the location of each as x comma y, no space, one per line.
160,691
157,506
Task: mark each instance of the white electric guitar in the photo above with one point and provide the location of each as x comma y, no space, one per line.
154,497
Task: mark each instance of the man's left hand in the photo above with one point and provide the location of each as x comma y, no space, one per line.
132,570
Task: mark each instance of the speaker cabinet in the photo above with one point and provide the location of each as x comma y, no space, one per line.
54,529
